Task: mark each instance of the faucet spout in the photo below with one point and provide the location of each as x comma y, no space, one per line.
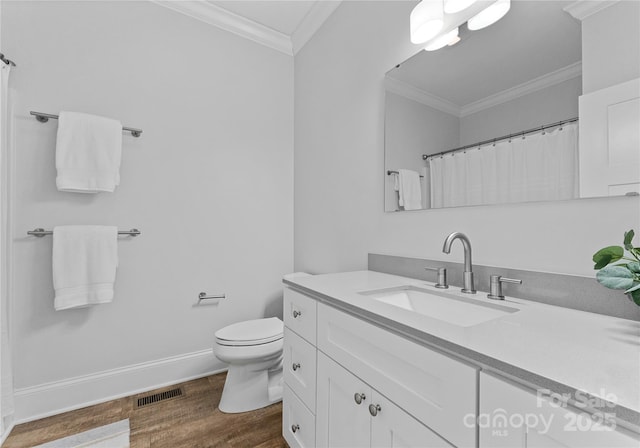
468,283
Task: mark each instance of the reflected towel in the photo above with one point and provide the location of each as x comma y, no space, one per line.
85,259
408,187
88,152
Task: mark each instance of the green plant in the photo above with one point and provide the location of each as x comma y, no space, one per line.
616,271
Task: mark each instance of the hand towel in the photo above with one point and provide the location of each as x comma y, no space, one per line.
408,187
85,259
88,153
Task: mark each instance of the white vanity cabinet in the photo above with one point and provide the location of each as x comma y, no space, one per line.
514,417
299,370
352,414
330,356
435,389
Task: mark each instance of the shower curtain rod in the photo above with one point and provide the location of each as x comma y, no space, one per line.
43,118
504,137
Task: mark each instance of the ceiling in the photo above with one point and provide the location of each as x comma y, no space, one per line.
534,39
284,25
283,16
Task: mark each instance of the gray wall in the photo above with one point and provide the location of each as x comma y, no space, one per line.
412,129
339,115
209,183
549,105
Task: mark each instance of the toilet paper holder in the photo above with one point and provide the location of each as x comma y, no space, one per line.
203,296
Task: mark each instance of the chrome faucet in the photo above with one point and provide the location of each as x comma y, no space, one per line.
468,286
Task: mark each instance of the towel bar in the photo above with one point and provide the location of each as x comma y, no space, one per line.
390,172
41,232
43,118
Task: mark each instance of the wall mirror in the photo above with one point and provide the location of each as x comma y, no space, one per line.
491,119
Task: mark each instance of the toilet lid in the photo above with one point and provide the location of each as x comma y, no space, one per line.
251,332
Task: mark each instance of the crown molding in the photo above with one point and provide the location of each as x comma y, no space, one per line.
582,9
542,82
413,93
214,15
317,15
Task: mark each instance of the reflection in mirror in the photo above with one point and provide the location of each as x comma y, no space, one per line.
469,118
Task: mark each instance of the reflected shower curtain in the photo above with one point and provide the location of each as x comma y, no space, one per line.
6,370
539,167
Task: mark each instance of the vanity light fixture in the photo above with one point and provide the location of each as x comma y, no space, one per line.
490,15
426,20
451,38
453,6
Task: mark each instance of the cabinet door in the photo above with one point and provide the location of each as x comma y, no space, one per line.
513,417
392,427
299,365
340,420
298,423
610,140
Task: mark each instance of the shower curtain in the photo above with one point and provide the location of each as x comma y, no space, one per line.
6,370
538,167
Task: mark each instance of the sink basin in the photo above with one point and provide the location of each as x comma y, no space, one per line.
439,305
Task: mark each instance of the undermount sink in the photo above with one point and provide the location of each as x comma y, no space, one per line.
439,305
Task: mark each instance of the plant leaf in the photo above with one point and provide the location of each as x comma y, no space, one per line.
628,236
636,287
615,277
607,255
634,267
635,295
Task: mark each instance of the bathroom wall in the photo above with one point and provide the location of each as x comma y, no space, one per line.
339,98
413,129
611,46
209,184
549,105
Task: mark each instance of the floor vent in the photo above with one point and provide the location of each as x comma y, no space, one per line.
160,396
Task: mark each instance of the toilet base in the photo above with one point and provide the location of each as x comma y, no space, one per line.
247,389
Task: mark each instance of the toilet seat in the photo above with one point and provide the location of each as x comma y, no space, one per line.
251,332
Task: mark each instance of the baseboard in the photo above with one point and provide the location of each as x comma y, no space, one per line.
6,433
44,400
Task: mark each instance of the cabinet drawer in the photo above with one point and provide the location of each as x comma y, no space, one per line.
436,389
300,368
300,314
298,423
512,416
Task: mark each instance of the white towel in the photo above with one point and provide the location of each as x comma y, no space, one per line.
407,185
88,153
85,259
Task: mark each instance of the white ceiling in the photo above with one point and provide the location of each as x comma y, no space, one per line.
532,40
285,25
283,16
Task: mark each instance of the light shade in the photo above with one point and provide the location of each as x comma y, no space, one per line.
453,6
426,20
446,39
490,15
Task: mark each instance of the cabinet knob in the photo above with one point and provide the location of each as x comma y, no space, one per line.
374,409
296,366
296,314
359,398
295,428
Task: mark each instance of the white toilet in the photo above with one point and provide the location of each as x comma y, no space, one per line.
253,350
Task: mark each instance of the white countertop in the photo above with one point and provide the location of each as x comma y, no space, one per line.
541,345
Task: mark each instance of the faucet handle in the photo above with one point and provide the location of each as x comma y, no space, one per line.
442,276
495,286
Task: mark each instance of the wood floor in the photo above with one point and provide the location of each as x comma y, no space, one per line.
191,421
